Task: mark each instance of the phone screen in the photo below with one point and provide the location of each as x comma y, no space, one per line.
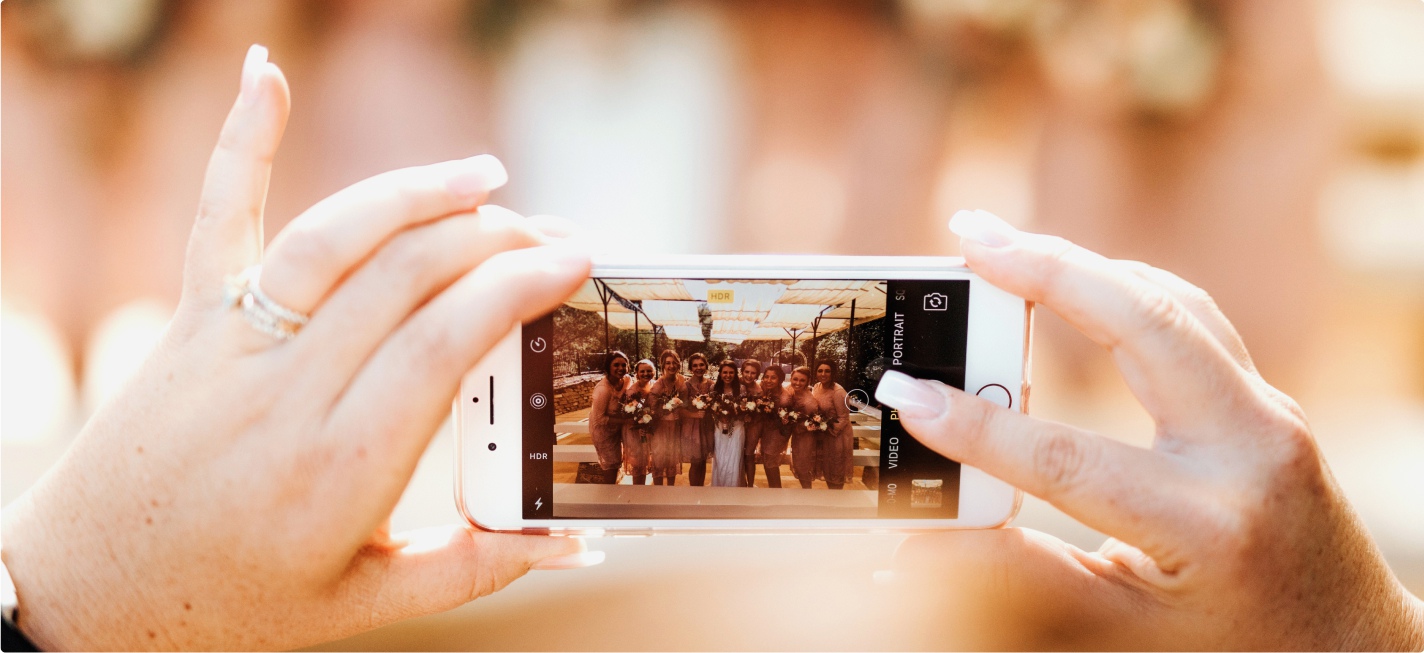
737,399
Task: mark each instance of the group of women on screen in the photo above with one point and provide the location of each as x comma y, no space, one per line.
649,418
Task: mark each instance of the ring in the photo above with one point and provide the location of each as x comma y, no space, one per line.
261,311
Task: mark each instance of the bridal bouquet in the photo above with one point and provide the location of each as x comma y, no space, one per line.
725,407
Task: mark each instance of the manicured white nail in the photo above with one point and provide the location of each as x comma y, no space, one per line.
983,227
910,396
252,67
554,226
498,214
472,178
571,561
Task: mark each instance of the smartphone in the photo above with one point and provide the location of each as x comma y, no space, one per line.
569,425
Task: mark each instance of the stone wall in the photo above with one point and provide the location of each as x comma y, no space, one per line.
574,393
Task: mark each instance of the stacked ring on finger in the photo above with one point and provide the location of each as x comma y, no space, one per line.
261,311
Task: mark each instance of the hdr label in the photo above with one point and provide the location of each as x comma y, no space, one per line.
721,296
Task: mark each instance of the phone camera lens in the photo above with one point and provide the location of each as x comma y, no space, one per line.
492,447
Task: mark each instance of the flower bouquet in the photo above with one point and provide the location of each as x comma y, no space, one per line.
668,405
816,423
747,405
702,401
765,406
724,408
789,418
641,414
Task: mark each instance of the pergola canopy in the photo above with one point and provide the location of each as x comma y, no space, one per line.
740,309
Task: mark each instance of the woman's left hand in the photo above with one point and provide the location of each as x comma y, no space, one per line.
236,493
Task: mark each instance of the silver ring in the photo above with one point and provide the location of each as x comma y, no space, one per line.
261,311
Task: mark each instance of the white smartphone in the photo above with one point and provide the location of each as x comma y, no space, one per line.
568,426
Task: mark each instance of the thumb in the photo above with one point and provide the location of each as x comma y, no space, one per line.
442,568
1016,589
227,235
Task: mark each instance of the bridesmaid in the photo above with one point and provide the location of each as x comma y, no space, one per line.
635,445
773,434
665,442
696,431
838,441
805,454
751,369
729,435
605,423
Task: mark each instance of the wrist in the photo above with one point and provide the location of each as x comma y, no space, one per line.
59,604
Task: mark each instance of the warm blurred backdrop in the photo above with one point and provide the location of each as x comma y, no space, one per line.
1271,151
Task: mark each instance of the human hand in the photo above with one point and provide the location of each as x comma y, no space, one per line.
1229,533
236,493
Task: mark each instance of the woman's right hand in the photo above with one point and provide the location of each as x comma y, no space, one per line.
1228,533
236,492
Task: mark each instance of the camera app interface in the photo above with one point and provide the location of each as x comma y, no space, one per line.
737,399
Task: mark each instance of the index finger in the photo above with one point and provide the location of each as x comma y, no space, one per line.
328,240
1183,376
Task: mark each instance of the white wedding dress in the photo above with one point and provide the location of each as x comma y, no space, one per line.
727,451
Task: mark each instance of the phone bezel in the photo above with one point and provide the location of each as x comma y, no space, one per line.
985,502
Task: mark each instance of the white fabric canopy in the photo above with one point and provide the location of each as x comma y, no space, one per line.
586,299
673,313
768,333
744,310
692,333
792,316
732,328
825,292
637,289
750,301
625,321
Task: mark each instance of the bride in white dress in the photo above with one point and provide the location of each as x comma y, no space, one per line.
728,436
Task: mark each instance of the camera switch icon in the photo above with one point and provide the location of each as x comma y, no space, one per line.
936,301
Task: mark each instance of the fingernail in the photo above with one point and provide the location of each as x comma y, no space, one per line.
476,176
252,71
498,214
883,577
554,226
910,396
982,227
571,561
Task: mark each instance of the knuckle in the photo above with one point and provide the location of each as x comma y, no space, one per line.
1159,312
407,258
304,249
430,340
1049,267
1059,461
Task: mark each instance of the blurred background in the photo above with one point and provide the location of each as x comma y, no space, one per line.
1270,151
